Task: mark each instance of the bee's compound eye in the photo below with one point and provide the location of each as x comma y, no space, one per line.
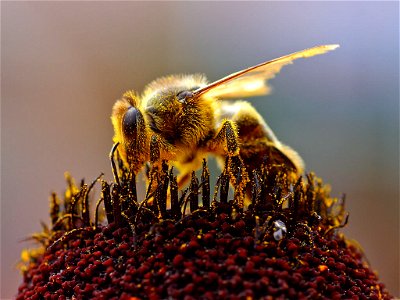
183,95
130,122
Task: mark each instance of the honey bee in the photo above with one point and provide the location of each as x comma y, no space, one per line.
183,119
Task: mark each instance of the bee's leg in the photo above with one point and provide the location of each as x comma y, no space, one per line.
113,166
259,146
160,150
226,143
154,150
153,177
258,141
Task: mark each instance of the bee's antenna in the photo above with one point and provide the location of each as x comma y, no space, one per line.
113,166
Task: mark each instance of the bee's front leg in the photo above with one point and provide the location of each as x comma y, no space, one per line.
161,149
158,149
154,150
226,144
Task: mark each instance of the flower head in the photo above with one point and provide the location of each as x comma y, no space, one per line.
284,244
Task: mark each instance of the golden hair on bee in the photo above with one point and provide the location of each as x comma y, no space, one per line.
183,119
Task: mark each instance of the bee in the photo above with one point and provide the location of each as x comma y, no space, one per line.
183,119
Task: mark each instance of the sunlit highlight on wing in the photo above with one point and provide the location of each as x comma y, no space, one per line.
253,81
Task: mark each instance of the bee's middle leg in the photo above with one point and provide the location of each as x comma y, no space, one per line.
161,150
226,144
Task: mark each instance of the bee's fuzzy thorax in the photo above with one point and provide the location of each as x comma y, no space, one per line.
199,244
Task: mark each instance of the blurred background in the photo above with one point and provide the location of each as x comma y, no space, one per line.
64,65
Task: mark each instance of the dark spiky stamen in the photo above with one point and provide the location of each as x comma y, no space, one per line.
54,208
85,202
96,215
113,166
256,189
224,188
108,206
72,207
66,237
175,207
194,193
205,184
283,244
162,190
116,204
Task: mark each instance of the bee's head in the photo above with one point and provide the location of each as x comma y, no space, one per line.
130,130
128,119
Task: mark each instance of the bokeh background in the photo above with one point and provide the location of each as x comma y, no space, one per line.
64,65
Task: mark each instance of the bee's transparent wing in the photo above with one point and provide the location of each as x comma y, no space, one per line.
253,81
